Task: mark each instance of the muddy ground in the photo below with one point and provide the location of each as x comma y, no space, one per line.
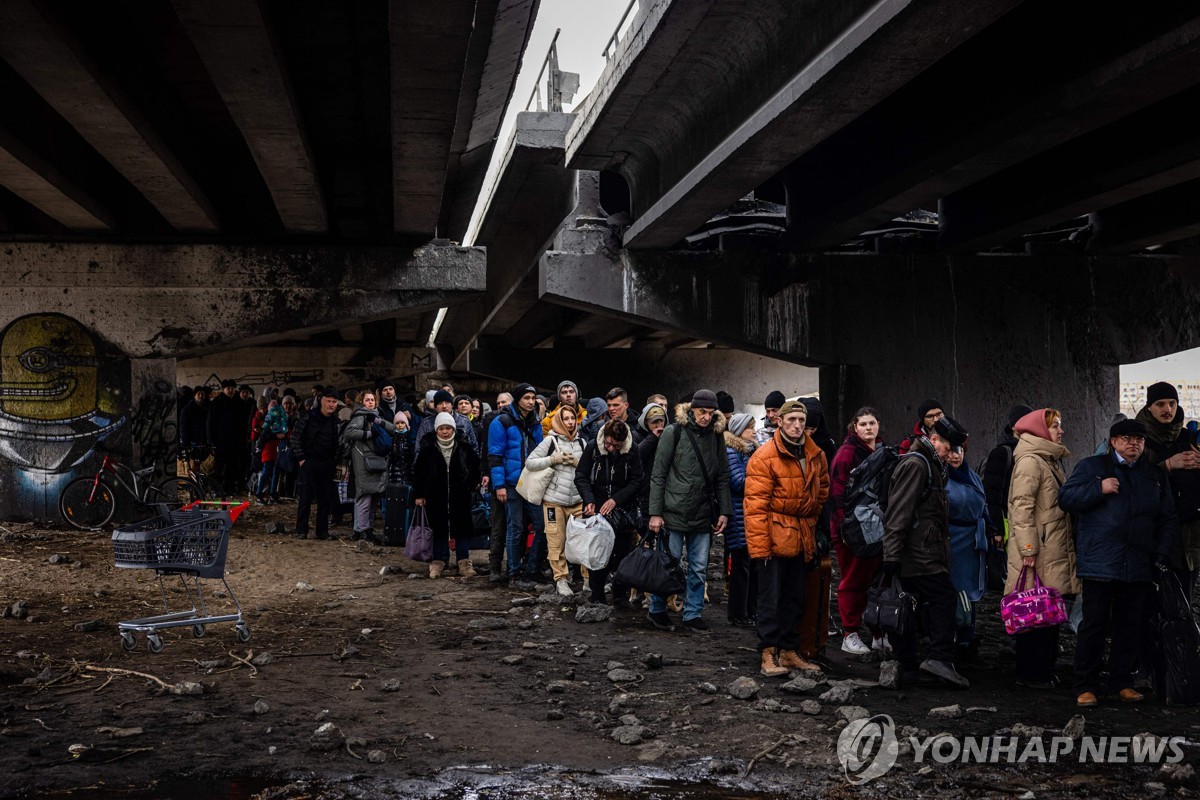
457,686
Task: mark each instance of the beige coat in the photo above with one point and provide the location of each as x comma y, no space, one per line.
1038,527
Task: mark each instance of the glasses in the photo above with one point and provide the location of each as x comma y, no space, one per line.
935,416
1124,439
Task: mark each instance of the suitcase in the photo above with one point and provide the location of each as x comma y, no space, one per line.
397,509
814,625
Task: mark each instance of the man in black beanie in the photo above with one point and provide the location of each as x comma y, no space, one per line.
916,547
725,404
770,422
929,412
1172,446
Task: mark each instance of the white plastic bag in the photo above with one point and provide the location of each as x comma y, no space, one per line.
589,541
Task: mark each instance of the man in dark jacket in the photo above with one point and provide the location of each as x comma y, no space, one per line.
609,477
193,424
916,547
617,401
512,436
997,477
315,446
1171,446
929,412
225,435
1125,530
388,402
690,499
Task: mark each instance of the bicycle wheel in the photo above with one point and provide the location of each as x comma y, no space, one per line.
86,505
175,492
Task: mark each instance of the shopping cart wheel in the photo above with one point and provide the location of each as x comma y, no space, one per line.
155,643
127,640
243,633
198,631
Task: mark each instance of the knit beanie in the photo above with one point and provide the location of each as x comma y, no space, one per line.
443,419
522,389
774,400
927,406
442,396
725,403
739,422
704,399
567,383
1161,391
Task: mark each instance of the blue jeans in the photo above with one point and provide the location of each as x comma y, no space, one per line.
519,512
269,476
697,543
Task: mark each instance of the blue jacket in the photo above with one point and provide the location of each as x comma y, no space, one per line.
738,452
510,441
1120,536
967,516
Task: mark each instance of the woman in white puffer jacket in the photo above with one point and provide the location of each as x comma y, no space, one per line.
560,451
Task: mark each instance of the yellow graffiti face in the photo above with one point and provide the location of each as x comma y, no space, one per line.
48,368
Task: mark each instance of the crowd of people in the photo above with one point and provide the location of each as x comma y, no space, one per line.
775,489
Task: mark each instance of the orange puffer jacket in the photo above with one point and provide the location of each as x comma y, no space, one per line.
783,501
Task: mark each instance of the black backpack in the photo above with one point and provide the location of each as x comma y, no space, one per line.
867,499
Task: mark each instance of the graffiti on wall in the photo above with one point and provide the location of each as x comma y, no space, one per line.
154,427
59,392
274,378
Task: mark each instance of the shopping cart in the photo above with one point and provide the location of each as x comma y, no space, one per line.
190,542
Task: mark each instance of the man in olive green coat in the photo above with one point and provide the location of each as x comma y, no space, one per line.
690,499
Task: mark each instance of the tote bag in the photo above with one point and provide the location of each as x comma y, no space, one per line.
419,544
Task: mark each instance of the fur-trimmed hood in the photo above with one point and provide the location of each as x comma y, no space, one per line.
738,444
682,417
626,445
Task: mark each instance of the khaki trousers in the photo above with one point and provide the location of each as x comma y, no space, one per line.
556,536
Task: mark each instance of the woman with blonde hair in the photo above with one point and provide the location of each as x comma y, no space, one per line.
1040,538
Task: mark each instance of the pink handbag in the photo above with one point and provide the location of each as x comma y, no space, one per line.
1027,609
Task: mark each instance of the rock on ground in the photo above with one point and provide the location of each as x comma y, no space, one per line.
946,712
743,688
851,713
1074,727
799,685
810,707
838,694
889,675
597,613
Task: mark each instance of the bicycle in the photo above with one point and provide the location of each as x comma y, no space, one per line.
88,503
193,457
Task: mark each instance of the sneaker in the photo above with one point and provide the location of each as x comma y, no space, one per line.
1087,700
945,670
881,644
697,624
564,588
853,644
661,621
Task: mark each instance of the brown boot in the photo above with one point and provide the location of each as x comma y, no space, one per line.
770,664
465,568
435,568
792,660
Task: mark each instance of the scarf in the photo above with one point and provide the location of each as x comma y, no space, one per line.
447,448
794,446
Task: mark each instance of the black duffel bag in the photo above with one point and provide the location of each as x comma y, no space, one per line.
890,608
652,571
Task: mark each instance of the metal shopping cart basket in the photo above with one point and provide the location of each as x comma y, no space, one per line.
190,542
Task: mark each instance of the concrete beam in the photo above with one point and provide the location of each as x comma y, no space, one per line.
429,44
727,298
750,91
36,182
498,41
1138,156
1060,88
59,70
246,66
1159,218
528,202
196,299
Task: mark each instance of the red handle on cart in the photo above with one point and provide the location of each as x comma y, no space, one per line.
234,508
